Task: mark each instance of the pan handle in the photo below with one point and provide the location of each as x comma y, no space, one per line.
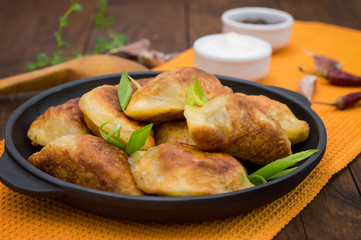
20,180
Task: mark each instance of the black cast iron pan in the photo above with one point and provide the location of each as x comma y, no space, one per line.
21,176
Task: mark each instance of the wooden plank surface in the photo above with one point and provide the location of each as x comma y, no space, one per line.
27,28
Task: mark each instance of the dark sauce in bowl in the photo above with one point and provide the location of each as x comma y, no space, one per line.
259,21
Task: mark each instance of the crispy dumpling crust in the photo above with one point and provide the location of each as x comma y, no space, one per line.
178,169
141,82
232,124
88,161
102,105
297,130
175,131
64,119
163,98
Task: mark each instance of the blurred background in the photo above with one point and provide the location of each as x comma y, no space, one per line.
27,26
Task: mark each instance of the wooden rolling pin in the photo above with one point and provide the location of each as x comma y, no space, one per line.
88,66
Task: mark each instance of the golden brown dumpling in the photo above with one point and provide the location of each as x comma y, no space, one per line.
88,161
297,130
232,124
163,98
175,131
141,82
178,169
64,119
101,105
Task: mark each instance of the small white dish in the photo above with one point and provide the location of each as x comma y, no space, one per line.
232,54
272,25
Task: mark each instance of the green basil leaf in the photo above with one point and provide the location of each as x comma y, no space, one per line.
138,138
124,91
279,165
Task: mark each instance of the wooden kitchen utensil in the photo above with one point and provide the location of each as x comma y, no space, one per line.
88,66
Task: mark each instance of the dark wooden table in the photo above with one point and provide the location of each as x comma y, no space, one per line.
27,28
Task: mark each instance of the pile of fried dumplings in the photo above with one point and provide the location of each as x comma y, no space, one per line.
190,151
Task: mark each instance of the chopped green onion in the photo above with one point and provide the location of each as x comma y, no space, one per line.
124,91
256,179
282,173
110,136
189,99
138,138
134,82
277,168
195,94
199,91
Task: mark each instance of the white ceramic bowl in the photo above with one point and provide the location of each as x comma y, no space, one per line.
276,32
232,54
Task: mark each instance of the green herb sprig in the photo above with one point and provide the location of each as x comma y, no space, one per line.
43,59
195,94
102,44
279,167
137,139
103,22
125,90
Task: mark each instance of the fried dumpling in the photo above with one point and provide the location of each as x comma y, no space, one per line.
163,98
64,119
232,124
297,130
174,131
178,169
89,161
101,105
141,82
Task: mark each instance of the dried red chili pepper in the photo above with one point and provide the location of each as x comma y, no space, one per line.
337,77
345,101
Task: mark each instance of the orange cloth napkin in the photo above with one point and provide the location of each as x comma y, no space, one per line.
24,217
